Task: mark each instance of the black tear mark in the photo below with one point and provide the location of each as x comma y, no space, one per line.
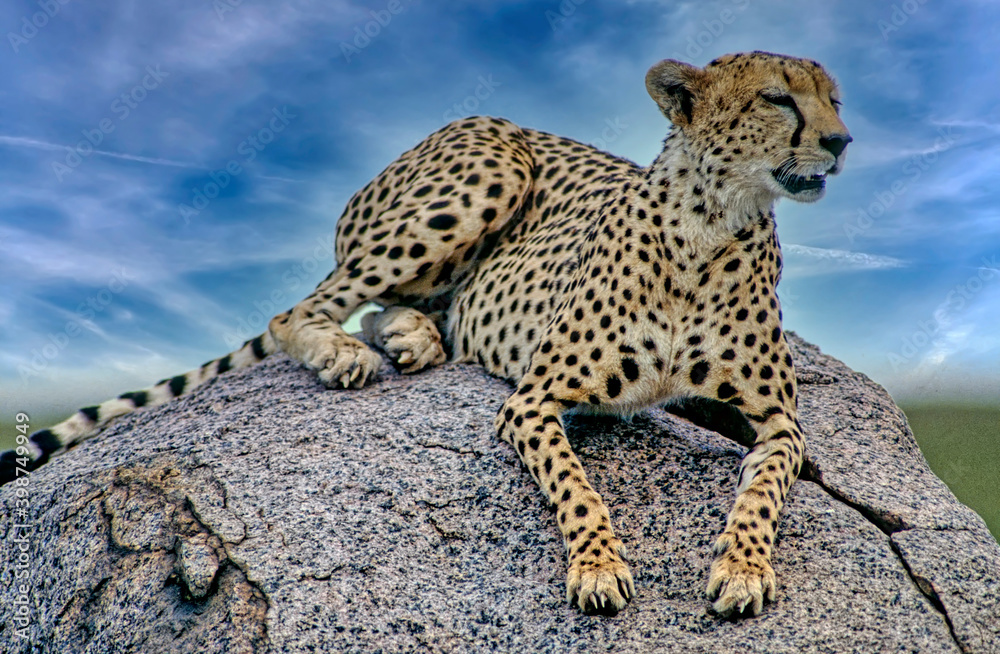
801,124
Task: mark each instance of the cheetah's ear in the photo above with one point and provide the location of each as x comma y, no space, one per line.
675,86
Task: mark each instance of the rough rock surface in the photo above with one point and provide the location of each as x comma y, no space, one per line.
263,513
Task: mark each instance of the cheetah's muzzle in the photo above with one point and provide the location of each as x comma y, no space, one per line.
795,184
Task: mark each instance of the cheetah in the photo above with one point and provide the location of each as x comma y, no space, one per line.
588,282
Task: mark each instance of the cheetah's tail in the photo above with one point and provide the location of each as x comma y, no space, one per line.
88,421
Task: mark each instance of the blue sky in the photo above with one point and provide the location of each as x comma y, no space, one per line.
114,116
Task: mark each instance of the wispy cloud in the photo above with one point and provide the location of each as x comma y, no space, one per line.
962,339
806,259
970,124
20,141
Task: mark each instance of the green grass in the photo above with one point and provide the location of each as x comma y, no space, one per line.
9,432
962,446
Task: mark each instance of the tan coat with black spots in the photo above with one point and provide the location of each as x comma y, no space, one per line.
591,284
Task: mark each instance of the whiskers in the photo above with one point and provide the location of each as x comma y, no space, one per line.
783,173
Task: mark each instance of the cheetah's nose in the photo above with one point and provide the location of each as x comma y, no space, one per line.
835,144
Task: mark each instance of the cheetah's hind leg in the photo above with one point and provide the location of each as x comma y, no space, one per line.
410,338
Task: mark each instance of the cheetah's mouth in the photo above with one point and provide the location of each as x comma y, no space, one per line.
795,184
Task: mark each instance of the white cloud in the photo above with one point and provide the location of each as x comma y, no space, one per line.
43,145
806,260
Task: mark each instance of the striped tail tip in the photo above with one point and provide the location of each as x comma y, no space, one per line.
88,421
21,461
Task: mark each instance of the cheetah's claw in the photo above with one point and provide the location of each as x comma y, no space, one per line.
604,587
409,338
413,351
738,585
350,365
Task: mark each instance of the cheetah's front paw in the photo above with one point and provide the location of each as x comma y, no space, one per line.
736,583
348,363
409,338
415,350
601,586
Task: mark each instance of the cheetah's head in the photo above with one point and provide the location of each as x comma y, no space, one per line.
762,124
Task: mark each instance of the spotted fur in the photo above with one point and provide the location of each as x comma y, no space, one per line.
591,284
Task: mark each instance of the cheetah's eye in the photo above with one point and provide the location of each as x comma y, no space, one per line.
778,99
